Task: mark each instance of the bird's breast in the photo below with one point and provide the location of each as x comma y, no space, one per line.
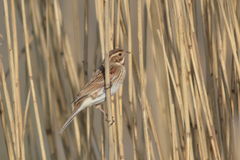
115,88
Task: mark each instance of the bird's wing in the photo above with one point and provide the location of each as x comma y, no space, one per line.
97,82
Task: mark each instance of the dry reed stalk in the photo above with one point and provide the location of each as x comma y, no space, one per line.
26,39
12,74
107,79
161,81
47,58
89,124
68,57
175,140
136,99
143,81
197,115
111,24
112,30
100,19
7,135
202,93
119,113
120,126
114,128
216,53
18,107
7,132
119,106
200,122
46,48
102,140
58,20
117,24
154,132
184,79
174,128
134,132
26,112
203,96
152,124
231,37
74,80
130,76
178,95
72,70
119,151
119,119
86,66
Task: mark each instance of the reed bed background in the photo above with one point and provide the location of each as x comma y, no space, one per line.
180,99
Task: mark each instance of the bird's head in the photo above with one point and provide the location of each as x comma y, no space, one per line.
118,56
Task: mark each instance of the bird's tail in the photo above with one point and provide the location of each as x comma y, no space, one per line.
69,120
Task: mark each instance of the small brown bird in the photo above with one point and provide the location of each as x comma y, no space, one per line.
93,92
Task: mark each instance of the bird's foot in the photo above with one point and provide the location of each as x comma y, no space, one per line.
110,121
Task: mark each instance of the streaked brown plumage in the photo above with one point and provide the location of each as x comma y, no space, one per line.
94,91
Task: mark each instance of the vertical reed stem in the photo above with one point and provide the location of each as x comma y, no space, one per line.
142,80
26,38
107,78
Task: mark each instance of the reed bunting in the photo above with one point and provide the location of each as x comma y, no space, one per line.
93,93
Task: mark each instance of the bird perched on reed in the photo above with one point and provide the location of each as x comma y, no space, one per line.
94,92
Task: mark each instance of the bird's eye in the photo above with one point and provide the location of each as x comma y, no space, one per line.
120,54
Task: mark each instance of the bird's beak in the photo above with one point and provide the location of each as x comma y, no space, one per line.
128,52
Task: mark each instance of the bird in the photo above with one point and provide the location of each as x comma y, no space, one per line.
94,92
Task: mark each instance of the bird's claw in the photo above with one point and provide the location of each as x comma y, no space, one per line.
110,121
